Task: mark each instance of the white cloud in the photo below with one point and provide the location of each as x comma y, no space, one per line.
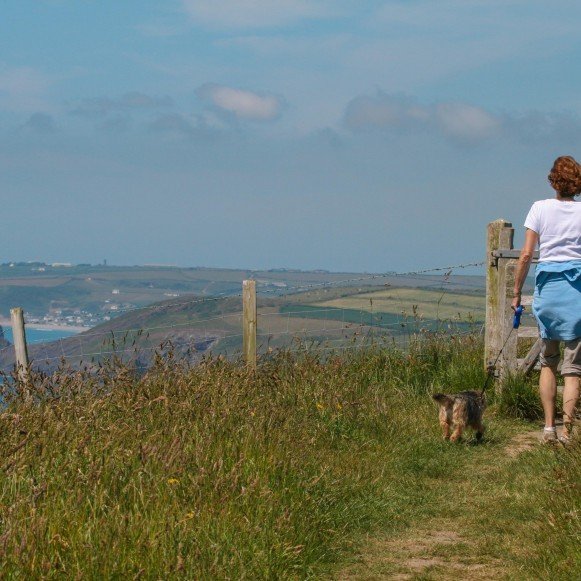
459,121
242,104
401,113
466,121
254,13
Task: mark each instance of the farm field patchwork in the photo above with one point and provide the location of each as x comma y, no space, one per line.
423,303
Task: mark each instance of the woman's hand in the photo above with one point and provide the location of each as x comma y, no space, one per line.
524,262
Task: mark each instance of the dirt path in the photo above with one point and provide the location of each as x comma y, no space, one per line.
445,547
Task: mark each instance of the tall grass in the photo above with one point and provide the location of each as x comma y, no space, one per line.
217,472
519,398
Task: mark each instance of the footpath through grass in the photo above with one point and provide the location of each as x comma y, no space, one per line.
304,470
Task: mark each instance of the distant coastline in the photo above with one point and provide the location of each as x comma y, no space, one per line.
46,327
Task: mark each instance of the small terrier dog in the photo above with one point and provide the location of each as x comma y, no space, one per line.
459,410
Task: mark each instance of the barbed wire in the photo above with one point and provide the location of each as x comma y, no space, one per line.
367,277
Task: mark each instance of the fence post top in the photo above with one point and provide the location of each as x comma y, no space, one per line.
501,222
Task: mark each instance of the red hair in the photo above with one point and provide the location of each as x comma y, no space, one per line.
565,176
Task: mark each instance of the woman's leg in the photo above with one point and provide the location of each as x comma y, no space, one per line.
550,355
570,399
571,371
548,391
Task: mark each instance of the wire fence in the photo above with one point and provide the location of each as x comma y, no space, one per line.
188,332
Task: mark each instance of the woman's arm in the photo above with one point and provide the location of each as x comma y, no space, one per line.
524,263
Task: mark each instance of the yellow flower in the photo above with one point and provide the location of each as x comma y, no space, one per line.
190,515
320,406
173,481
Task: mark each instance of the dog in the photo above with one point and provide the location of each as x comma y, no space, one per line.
461,410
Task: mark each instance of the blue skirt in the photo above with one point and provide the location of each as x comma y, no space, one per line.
557,299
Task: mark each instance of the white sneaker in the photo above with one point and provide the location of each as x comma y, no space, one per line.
549,436
566,435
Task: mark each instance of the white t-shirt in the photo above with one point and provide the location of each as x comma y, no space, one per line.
558,225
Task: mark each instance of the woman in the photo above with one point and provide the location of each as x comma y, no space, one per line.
555,226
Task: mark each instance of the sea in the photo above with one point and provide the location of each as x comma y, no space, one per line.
38,335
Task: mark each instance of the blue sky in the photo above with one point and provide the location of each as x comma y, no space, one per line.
357,136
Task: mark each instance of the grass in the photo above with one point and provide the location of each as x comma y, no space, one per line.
519,400
214,472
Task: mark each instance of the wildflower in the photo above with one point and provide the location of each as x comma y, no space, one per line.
320,406
190,515
173,481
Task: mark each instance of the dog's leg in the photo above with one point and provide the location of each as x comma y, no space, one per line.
479,431
459,417
457,433
444,423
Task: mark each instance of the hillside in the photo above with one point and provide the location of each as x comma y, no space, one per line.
191,326
89,295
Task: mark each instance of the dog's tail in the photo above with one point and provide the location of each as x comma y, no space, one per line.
442,398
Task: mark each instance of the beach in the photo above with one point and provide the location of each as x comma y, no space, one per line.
47,327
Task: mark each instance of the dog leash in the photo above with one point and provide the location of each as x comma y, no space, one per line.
515,325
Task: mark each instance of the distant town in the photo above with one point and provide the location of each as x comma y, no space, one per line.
74,317
63,294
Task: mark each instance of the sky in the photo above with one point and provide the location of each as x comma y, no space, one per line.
365,136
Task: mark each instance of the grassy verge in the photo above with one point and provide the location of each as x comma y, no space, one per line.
214,472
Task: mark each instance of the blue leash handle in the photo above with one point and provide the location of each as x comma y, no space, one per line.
517,315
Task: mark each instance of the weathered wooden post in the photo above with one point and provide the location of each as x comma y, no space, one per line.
249,322
500,235
509,338
20,348
501,260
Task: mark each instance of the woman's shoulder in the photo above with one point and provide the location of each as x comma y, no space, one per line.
539,204
553,208
554,203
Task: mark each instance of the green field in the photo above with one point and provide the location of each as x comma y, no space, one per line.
415,302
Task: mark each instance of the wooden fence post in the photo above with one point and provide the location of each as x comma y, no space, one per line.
501,260
249,322
509,338
499,236
20,348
